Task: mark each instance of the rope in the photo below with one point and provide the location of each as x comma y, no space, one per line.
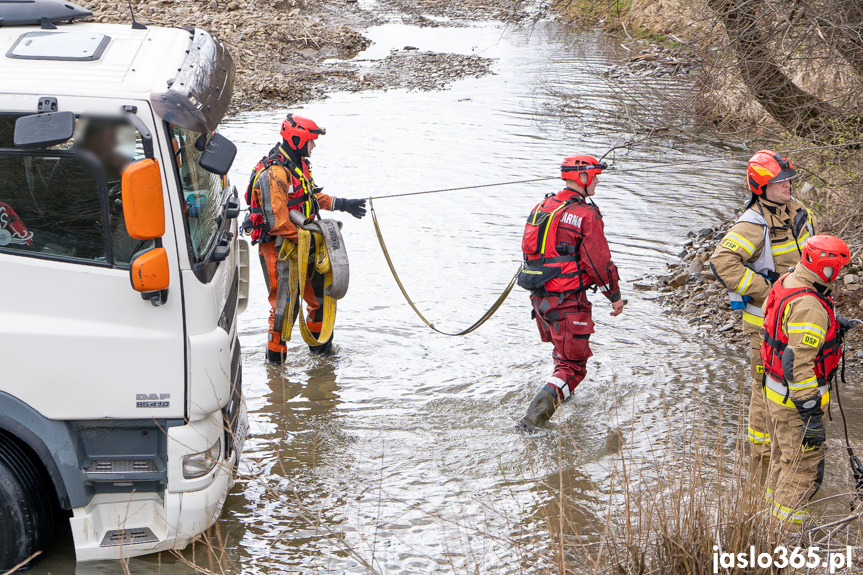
485,317
465,188
646,168
856,465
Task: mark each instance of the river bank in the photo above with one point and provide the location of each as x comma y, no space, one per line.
292,51
673,37
690,289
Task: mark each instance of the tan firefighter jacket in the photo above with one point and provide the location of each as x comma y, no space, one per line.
746,268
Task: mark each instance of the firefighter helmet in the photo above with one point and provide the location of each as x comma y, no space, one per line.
767,167
574,165
824,256
297,131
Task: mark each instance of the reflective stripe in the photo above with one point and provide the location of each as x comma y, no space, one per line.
768,497
788,514
747,245
753,319
790,246
759,438
558,383
784,248
807,327
805,384
745,282
754,310
776,392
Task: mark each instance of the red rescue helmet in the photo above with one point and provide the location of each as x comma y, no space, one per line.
297,131
767,167
824,256
574,165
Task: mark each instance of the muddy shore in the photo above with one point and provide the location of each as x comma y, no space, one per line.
293,51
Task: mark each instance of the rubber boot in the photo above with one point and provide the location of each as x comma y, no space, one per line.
324,349
539,411
274,356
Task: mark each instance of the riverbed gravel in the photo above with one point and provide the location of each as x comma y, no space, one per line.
690,289
294,51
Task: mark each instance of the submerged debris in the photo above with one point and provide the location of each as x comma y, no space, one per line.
654,61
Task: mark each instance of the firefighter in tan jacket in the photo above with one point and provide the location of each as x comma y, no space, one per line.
764,243
801,353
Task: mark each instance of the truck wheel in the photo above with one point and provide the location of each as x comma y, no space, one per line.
26,509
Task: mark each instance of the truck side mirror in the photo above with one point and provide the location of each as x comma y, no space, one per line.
218,155
143,200
150,270
144,214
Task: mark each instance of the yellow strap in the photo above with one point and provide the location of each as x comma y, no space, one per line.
307,205
485,317
299,265
548,226
303,248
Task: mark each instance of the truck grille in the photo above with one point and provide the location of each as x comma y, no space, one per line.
122,466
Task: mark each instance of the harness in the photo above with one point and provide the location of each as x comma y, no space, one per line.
261,216
776,341
549,267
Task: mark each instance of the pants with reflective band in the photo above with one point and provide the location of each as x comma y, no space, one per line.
795,475
568,325
758,418
313,296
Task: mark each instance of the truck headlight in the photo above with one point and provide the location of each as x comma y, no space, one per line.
199,464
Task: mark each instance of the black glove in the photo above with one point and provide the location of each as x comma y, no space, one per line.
845,324
813,425
356,208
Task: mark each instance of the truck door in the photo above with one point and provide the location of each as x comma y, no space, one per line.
76,340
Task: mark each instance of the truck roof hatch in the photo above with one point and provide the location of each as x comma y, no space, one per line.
31,12
80,46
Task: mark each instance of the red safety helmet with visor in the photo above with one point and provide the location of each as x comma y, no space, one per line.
575,165
825,255
297,131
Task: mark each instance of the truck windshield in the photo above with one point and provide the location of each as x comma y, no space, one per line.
65,202
203,192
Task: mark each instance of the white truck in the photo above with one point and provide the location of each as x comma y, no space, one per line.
121,278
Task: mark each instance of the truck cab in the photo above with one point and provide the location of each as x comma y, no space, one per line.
121,278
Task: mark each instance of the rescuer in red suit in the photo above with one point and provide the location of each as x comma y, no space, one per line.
566,253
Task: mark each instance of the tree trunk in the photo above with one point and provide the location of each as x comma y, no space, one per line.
795,109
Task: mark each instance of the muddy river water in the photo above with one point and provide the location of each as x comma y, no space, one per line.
399,452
